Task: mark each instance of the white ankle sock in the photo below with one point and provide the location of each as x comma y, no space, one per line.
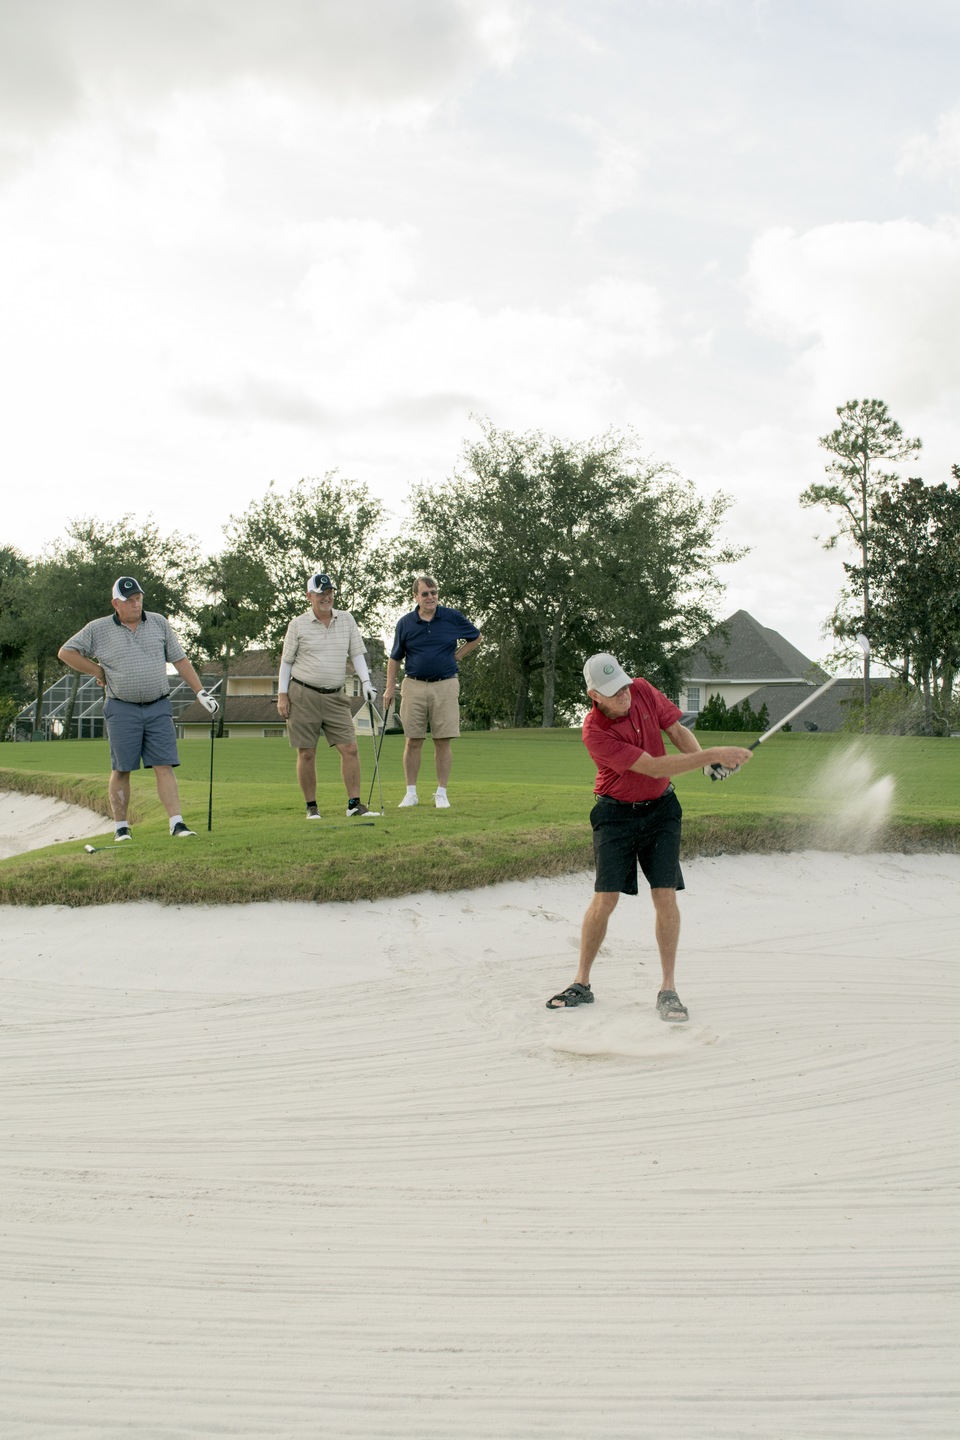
174,822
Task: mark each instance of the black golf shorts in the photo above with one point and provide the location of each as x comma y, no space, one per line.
625,836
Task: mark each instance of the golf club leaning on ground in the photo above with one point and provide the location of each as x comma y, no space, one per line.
720,772
376,751
213,732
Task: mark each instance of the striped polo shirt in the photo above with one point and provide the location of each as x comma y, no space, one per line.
318,653
134,661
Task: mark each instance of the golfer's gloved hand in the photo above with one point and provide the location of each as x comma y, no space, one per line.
720,772
208,702
368,691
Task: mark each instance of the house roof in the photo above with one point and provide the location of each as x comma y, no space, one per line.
750,652
251,663
241,710
829,712
249,710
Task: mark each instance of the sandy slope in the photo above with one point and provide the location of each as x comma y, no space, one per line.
303,1171
28,822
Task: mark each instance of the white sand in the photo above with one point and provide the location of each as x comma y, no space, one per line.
28,822
335,1171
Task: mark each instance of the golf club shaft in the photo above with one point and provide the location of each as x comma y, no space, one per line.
213,719
795,711
376,752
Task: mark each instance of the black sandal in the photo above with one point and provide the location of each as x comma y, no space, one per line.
670,1008
573,995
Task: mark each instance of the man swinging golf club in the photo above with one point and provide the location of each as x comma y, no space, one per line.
636,817
313,667
128,653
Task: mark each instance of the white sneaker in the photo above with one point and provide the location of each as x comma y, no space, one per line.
407,801
441,802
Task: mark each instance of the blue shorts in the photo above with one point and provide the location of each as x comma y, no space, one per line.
140,733
648,835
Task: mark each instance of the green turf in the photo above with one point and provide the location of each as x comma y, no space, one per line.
520,802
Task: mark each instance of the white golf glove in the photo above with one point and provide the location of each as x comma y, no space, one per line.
208,702
368,691
720,772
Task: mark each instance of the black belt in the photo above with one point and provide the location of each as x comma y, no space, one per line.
318,689
637,804
139,702
431,679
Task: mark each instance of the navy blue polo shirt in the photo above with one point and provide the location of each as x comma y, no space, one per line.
427,646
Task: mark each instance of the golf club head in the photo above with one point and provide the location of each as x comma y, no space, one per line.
90,849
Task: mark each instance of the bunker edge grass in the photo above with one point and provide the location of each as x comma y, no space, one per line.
520,801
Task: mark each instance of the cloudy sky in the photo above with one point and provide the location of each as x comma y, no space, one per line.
254,240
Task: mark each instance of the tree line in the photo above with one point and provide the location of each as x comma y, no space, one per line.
554,548
903,583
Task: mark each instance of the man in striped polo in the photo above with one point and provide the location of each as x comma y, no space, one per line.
127,653
313,668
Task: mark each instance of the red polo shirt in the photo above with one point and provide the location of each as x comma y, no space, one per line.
615,745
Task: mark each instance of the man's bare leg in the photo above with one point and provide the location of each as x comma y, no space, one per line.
307,773
669,1004
667,930
412,754
592,933
443,759
167,789
118,792
350,768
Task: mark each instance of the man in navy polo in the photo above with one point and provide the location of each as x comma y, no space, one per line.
429,640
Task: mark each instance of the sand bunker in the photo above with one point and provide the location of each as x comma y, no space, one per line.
302,1171
28,822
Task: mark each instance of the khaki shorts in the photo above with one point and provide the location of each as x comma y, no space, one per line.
313,715
438,703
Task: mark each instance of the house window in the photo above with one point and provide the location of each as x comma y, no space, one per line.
274,732
693,697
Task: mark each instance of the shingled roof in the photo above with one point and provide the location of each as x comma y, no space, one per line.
251,663
750,652
249,710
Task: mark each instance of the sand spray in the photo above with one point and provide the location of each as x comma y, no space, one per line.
856,801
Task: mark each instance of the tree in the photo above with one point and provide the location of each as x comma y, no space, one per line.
330,523
865,436
915,572
563,548
240,596
12,690
715,716
33,621
95,552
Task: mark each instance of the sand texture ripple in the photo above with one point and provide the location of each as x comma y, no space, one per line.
297,1171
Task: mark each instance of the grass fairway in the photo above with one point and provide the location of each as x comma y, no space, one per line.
520,802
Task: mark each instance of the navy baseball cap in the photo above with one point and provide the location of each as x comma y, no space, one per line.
319,582
125,587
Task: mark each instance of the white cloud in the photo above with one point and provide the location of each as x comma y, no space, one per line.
872,309
935,157
59,56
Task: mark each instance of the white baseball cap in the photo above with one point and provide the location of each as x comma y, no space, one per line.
319,582
605,674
